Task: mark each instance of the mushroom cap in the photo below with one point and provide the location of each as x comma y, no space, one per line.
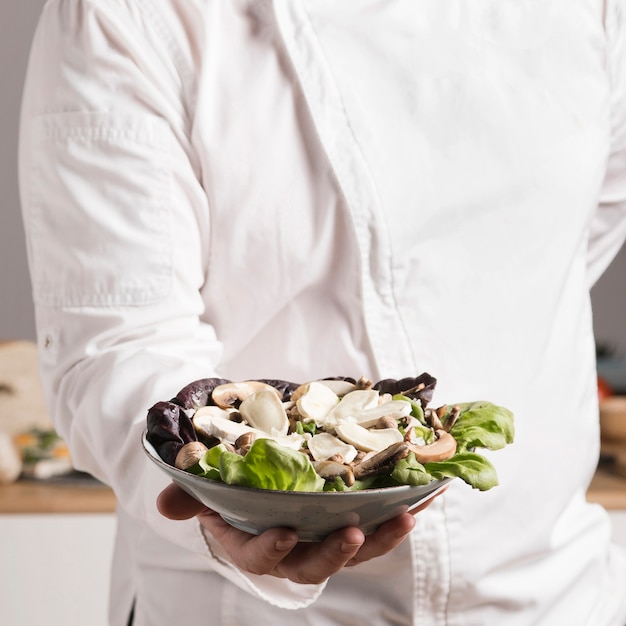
230,394
189,455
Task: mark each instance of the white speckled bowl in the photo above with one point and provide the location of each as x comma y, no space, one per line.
313,515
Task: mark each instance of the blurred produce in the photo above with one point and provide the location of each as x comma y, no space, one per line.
10,460
44,454
29,445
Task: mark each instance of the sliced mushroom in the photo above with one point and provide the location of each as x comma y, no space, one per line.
386,421
368,439
325,446
395,409
339,387
243,442
215,425
264,410
440,450
330,470
316,401
354,404
382,461
452,417
432,419
189,455
231,394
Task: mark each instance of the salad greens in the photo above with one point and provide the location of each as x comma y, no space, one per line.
269,465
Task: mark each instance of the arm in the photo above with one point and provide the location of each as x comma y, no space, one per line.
115,219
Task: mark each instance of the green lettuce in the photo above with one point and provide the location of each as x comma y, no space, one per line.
267,465
476,470
483,425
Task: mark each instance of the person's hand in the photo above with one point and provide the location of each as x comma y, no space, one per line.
277,551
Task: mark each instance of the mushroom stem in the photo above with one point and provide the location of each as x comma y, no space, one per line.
453,417
382,461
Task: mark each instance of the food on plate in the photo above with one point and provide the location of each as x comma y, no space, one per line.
44,454
334,434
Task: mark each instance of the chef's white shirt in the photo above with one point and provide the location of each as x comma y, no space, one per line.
303,188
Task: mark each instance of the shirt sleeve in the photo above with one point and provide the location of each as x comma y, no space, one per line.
117,230
608,228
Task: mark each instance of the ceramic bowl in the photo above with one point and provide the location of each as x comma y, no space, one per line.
312,514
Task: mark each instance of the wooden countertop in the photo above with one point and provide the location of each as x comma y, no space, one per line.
26,496
607,489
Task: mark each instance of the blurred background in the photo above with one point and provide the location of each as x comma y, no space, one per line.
56,533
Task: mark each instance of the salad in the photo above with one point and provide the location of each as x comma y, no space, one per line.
334,434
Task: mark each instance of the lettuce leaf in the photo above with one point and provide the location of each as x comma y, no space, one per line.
476,470
410,471
483,425
267,465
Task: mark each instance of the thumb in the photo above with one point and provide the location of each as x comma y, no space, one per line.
176,504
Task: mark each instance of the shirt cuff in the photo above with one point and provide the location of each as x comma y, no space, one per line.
279,592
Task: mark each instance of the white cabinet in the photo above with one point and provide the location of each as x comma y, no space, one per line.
54,569
618,519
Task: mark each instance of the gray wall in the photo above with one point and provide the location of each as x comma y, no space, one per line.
17,22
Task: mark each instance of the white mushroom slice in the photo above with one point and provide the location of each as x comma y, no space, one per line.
352,405
228,394
338,387
214,425
294,441
356,402
316,402
202,419
395,409
265,411
205,412
367,439
324,446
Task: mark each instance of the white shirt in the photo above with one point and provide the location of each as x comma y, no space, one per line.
304,188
